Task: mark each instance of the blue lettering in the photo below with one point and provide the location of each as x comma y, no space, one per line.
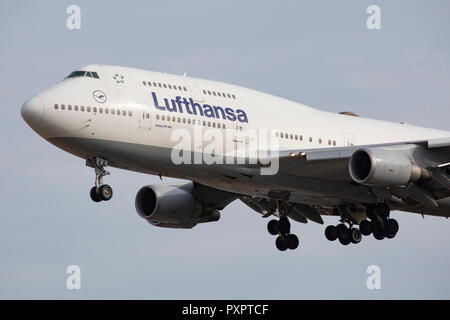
230,114
204,110
218,108
196,105
242,117
155,101
168,108
208,110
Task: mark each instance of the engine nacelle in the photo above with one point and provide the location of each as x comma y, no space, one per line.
172,206
382,168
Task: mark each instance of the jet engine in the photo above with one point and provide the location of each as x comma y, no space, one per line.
172,206
383,168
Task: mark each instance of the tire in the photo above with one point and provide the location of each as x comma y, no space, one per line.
365,227
379,233
105,192
281,243
355,235
377,230
284,226
292,241
374,226
341,229
392,226
94,195
272,227
331,233
345,238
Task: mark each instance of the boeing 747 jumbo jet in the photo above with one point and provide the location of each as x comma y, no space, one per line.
279,157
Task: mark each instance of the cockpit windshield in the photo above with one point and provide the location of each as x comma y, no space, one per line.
90,74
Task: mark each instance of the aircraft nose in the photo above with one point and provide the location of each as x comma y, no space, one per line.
33,111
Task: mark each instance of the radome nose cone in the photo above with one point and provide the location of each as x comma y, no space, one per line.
33,111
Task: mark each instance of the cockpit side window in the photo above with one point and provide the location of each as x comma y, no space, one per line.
90,74
76,74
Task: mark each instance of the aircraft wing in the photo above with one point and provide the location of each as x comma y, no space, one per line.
332,163
430,195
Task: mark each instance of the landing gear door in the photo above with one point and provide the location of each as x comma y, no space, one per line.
193,89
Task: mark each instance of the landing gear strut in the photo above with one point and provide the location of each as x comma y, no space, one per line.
99,192
282,228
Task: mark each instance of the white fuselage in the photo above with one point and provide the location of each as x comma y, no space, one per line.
120,107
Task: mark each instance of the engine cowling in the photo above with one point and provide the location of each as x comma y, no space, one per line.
382,168
172,206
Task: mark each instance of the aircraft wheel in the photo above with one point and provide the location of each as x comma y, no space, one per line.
292,241
272,227
378,231
94,195
345,238
331,233
392,226
105,192
341,229
281,243
355,235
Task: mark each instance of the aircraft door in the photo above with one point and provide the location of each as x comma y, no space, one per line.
145,116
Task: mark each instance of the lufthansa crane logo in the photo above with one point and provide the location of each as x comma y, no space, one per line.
99,96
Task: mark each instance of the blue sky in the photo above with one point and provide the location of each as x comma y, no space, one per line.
319,53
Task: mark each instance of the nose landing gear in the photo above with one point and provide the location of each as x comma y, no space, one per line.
99,192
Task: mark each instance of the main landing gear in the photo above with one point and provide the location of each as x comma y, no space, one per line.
346,235
282,228
100,192
380,225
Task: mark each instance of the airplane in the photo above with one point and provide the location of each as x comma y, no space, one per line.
324,163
